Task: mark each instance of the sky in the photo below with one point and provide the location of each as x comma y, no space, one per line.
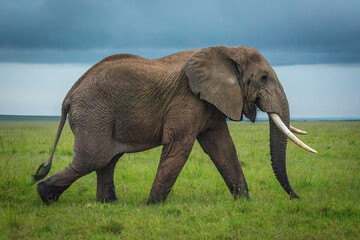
314,46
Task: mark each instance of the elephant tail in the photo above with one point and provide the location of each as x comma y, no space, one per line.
45,167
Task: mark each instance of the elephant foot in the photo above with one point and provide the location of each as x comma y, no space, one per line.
242,195
154,201
156,198
107,197
49,193
240,192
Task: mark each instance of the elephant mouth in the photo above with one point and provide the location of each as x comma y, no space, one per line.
250,112
250,109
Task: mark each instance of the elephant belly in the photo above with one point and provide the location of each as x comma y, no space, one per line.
133,147
134,135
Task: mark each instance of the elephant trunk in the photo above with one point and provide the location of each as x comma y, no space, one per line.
278,142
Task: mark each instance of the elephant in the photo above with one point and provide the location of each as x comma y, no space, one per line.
126,104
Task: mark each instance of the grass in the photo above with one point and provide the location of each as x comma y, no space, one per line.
199,206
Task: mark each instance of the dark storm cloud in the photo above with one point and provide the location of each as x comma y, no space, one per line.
285,32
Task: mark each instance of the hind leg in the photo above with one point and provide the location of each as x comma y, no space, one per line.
51,189
105,182
89,155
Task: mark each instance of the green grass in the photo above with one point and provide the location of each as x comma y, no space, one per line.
199,206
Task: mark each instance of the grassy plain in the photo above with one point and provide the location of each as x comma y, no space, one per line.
199,206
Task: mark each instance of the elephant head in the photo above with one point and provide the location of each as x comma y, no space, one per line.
237,81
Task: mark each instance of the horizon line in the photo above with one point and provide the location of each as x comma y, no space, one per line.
16,117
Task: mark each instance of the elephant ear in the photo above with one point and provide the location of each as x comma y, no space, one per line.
212,76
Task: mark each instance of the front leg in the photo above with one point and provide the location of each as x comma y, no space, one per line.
173,159
217,143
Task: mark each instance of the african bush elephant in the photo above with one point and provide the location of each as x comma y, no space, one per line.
127,103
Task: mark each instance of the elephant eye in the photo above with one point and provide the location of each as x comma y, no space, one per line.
264,79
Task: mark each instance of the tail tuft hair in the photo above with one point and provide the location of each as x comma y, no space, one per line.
41,173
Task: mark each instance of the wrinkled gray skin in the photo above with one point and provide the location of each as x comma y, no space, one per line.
127,104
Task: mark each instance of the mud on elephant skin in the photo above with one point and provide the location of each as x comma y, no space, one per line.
127,103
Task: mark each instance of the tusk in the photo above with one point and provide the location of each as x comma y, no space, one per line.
279,123
298,131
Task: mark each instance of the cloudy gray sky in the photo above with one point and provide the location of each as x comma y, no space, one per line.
46,45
